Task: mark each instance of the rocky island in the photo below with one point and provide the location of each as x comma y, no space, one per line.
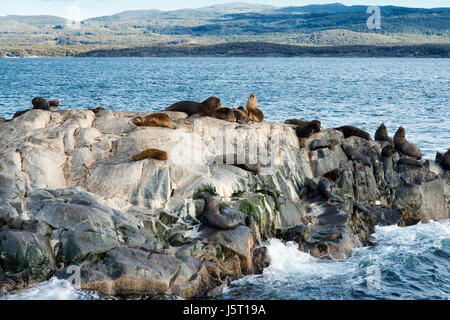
73,204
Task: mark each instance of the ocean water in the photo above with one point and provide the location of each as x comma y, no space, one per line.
407,263
364,92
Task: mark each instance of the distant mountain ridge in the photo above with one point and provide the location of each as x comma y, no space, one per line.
332,24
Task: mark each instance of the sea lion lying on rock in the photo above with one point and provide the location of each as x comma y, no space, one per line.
410,162
96,110
351,131
306,129
205,108
404,147
211,217
354,155
382,135
154,120
443,160
151,154
241,115
324,189
42,104
225,114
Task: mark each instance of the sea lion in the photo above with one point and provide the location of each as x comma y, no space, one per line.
19,113
40,103
351,131
388,151
410,162
205,108
324,188
225,114
296,122
382,135
256,115
354,155
323,144
306,129
53,104
438,157
404,147
154,120
445,161
212,217
241,116
151,154
252,102
96,110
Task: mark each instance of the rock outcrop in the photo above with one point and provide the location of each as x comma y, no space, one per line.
73,203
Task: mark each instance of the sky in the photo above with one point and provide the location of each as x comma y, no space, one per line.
83,9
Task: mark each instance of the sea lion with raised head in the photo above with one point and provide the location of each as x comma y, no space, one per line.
205,108
438,157
306,129
252,102
352,131
53,104
211,216
324,188
445,160
154,120
404,147
225,114
382,135
241,116
151,154
388,151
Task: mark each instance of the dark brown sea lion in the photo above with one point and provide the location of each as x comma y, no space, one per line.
151,154
154,120
19,113
211,216
351,131
324,188
225,114
323,144
439,157
296,122
306,129
410,162
40,103
382,135
241,116
205,108
354,155
388,151
256,115
404,147
252,102
445,161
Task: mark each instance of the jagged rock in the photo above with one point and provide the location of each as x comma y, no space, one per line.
70,195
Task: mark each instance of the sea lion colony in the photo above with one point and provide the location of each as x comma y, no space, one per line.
212,107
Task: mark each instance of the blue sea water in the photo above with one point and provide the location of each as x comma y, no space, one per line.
407,263
364,92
